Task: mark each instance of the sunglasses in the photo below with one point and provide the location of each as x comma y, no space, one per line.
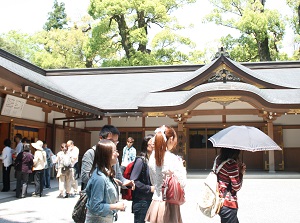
129,142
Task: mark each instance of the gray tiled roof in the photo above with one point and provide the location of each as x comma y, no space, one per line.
33,76
131,90
276,96
289,77
116,91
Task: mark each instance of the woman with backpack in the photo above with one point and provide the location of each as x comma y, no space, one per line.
143,192
230,178
163,163
63,163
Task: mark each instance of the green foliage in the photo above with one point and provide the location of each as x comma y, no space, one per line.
58,18
16,43
122,29
60,49
261,30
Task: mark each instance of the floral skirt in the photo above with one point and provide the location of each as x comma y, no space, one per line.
162,212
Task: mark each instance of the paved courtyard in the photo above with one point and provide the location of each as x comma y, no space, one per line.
264,198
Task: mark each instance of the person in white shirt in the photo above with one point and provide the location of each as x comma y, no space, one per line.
19,144
6,164
129,154
74,153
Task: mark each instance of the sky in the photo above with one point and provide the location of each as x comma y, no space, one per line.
29,16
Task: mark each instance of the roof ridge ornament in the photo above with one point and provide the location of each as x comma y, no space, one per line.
221,51
223,75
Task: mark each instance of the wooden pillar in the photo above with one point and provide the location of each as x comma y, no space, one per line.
109,120
180,126
271,152
143,126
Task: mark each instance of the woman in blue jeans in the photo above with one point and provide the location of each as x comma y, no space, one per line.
142,195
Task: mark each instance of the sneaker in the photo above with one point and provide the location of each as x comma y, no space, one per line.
67,195
35,195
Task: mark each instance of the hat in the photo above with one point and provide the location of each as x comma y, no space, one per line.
38,145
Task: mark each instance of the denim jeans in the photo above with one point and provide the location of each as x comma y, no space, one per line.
140,208
47,173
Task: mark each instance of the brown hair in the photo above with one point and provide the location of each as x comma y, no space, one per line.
160,144
103,156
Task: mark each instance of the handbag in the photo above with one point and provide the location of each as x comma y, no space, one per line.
79,211
172,191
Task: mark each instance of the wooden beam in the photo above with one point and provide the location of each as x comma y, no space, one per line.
225,112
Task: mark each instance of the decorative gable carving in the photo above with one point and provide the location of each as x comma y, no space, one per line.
223,75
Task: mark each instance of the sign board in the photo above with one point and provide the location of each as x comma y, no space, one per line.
13,106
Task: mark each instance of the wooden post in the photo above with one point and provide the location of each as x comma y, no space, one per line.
271,152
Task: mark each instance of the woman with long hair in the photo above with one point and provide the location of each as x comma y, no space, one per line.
163,163
143,192
102,191
230,179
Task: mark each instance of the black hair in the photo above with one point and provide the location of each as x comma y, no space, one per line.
227,153
24,140
7,142
144,145
106,129
18,135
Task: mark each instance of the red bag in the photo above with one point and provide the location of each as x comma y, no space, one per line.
172,191
127,193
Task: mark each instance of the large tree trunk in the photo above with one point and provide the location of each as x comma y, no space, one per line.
263,50
124,33
142,24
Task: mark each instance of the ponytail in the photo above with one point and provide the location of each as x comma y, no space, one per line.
160,148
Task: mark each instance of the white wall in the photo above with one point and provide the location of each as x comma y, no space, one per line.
205,119
288,120
209,105
33,113
291,137
159,121
239,105
127,122
55,114
243,118
96,123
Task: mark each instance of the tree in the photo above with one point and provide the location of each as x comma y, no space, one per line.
60,48
294,21
58,18
16,43
122,32
261,30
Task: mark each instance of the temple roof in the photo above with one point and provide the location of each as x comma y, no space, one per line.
132,88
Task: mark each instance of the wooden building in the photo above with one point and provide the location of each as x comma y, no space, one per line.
197,100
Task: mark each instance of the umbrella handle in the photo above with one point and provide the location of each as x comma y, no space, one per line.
242,156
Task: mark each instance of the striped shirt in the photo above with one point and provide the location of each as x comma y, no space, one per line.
230,181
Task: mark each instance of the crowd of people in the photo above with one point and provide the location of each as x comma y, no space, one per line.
35,162
102,174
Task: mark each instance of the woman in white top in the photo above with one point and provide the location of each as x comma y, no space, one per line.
162,163
7,162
